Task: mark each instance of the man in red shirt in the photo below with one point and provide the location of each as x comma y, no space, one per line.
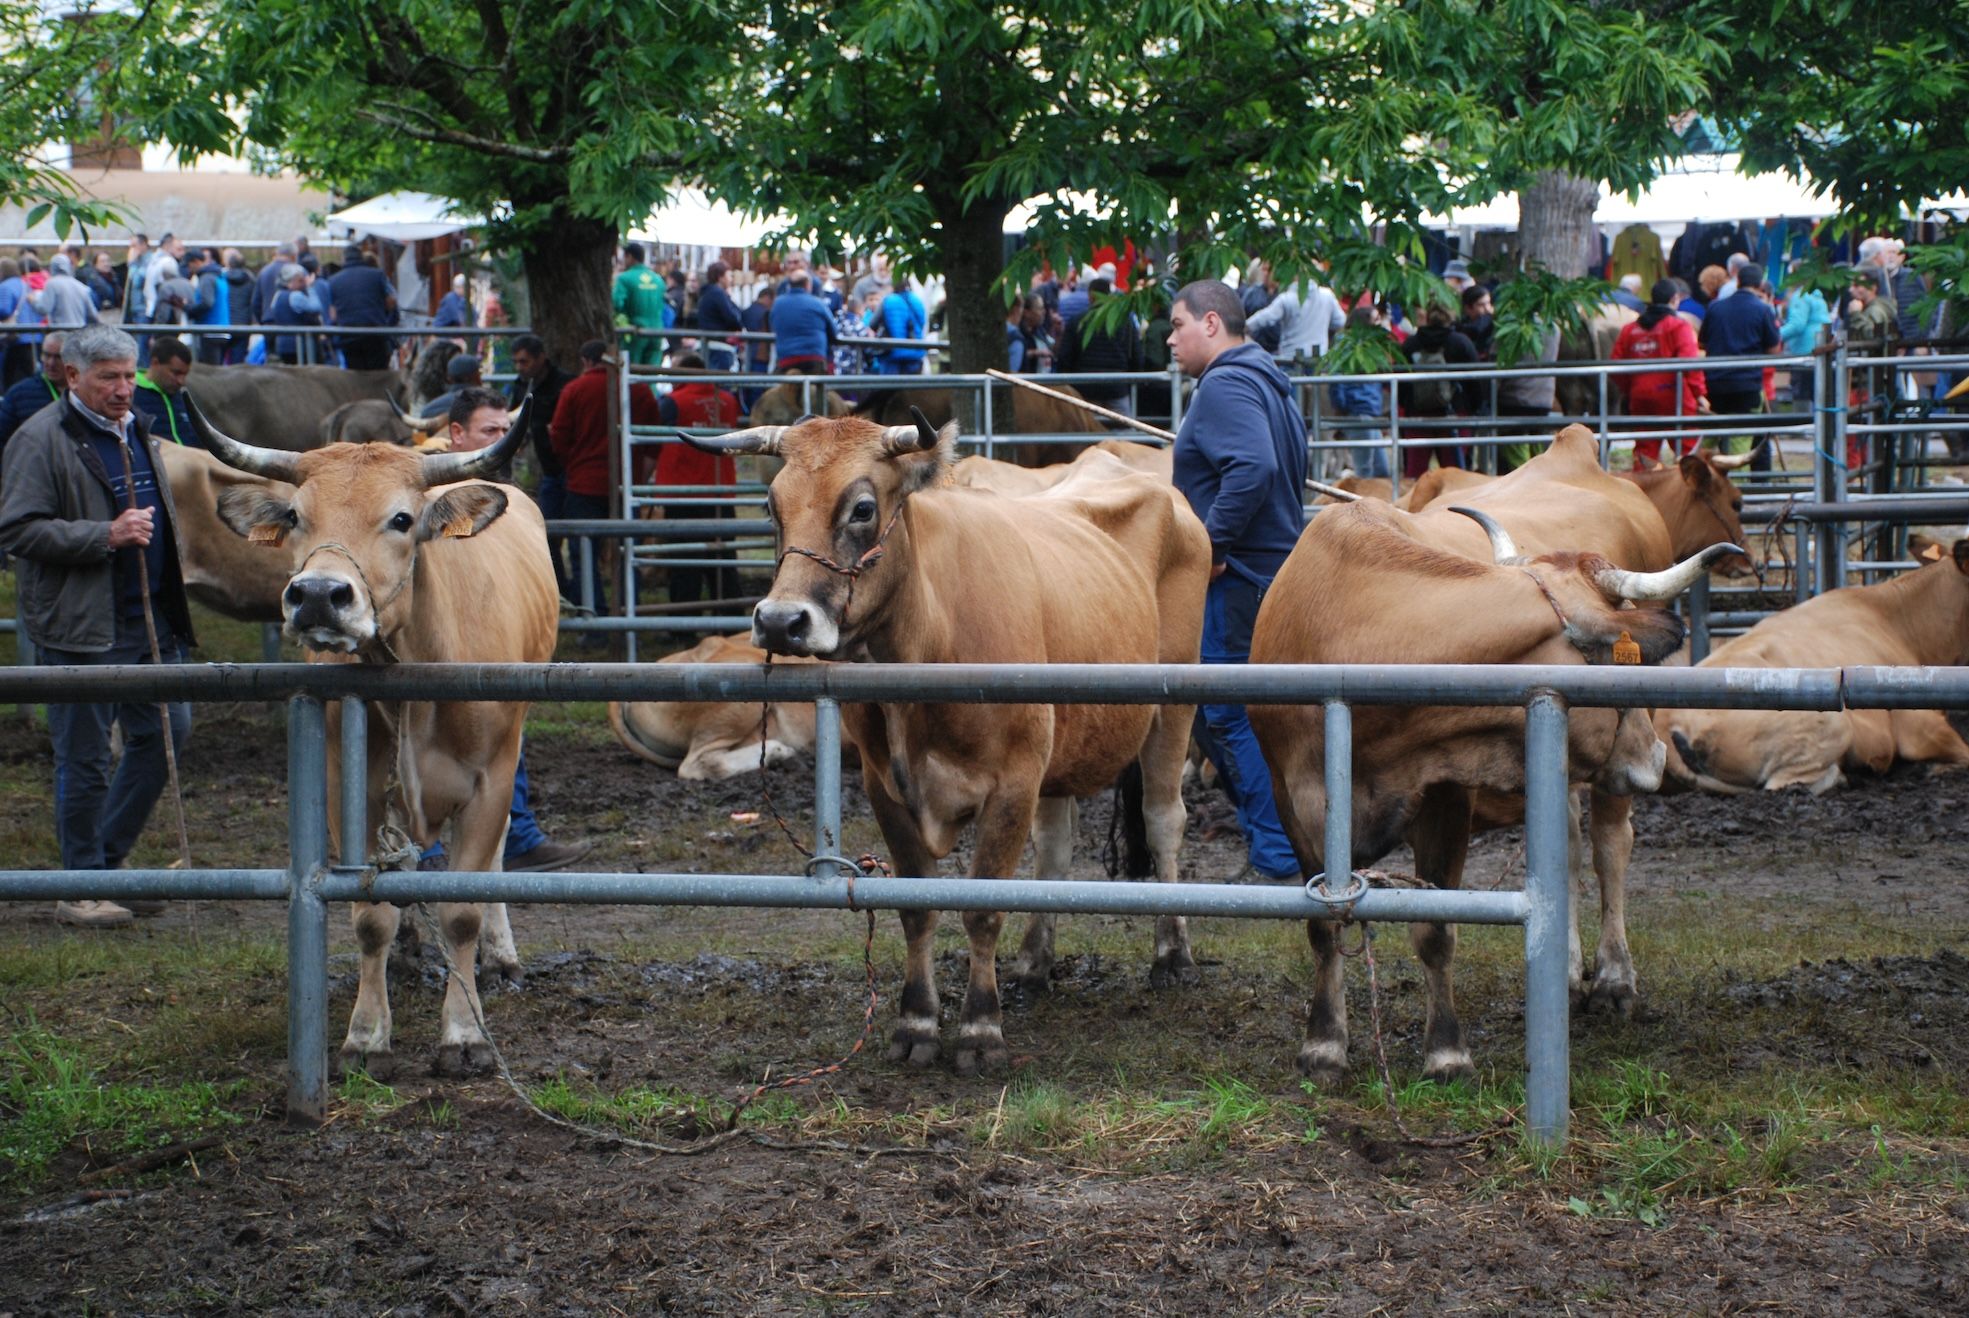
697,403
586,447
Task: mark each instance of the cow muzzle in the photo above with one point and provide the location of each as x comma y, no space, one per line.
325,612
794,627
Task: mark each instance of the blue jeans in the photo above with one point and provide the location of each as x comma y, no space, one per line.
1368,456
522,829
99,819
586,507
1224,731
886,365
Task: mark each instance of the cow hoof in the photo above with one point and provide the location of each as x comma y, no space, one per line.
1324,1065
983,1057
510,977
1020,992
1449,1068
1174,973
379,1067
1613,999
456,1060
912,1048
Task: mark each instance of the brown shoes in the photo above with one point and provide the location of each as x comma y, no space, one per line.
93,914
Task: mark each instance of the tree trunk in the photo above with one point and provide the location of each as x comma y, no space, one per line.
568,270
1555,223
972,252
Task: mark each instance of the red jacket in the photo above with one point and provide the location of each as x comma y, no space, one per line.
580,431
697,404
1652,393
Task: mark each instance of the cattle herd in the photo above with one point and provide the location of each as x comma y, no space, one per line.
891,550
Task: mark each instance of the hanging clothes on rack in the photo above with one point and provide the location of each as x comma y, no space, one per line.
1637,251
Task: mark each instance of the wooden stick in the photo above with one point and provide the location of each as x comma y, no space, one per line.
1321,487
156,1158
1023,382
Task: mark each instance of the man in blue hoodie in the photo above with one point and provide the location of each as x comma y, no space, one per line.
1241,462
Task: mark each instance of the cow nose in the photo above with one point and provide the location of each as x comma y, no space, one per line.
782,627
315,601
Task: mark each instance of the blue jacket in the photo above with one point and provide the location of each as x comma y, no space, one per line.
165,415
22,401
1740,325
359,295
1241,460
1805,315
452,311
903,317
291,308
1357,398
802,326
716,312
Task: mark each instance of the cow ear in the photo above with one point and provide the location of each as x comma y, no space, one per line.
251,513
462,510
922,470
1658,632
1696,472
1962,557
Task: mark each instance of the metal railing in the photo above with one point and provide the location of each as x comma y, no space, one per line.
1542,908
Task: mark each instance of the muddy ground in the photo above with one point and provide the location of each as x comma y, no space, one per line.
894,1192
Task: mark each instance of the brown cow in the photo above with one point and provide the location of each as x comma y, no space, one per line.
399,561
222,571
879,560
1919,618
713,739
1366,585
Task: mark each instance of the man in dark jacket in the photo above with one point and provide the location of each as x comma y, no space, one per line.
1740,325
1085,348
160,396
35,392
1431,348
361,296
536,376
90,523
1241,462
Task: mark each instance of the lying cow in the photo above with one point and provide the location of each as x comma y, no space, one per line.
402,558
1366,585
713,739
1919,618
880,560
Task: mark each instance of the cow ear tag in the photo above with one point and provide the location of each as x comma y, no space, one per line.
1626,650
269,534
458,527
1932,554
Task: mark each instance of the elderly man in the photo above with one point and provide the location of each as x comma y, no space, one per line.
36,392
94,533
268,282
160,396
65,300
479,420
295,303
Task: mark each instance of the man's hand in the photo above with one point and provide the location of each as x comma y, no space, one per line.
1218,570
131,527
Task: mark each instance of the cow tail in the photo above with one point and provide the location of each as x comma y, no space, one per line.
1127,854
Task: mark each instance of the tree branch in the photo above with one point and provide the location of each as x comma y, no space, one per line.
558,155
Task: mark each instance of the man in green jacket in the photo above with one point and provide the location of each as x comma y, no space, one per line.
88,518
640,303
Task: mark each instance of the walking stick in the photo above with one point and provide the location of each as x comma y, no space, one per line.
1024,383
150,630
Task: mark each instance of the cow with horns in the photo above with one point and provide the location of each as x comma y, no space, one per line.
394,558
879,560
1369,584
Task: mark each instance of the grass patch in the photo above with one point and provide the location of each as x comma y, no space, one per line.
659,1112
52,1100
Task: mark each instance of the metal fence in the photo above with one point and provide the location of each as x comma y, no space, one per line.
312,878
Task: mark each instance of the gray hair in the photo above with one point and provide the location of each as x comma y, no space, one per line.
1737,261
97,343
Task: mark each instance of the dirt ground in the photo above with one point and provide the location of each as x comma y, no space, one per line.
458,1200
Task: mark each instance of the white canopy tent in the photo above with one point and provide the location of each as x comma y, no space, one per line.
692,219
403,217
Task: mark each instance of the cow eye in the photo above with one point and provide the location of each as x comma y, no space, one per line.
402,522
864,511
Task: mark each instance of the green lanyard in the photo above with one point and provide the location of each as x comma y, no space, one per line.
53,392
170,413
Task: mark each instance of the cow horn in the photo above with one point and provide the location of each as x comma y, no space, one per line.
447,468
1731,461
759,439
423,425
1618,583
901,441
1502,547
273,463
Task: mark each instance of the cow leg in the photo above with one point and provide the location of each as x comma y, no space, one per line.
1002,828
477,838
1164,756
1612,831
1052,846
497,952
1323,1054
1441,842
366,1047
914,1039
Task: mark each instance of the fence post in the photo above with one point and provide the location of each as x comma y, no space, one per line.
307,913
1829,484
827,786
1339,851
1548,921
1699,619
354,713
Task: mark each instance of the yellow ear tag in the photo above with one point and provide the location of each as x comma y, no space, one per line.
1932,554
458,527
1626,650
266,533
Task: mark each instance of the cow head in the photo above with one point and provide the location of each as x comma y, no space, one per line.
354,524
836,505
1706,507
